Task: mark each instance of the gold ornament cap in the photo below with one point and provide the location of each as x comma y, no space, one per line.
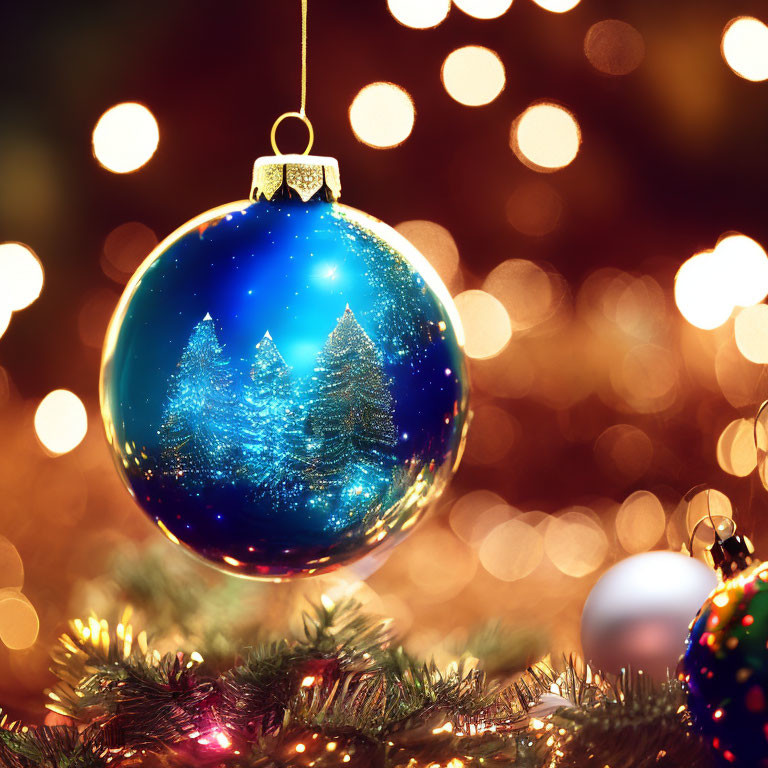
283,177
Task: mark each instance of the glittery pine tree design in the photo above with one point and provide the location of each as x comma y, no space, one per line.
268,410
350,415
197,436
326,443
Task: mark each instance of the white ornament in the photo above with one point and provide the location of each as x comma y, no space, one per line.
637,615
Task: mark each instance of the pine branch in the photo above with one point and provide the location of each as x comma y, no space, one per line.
144,698
505,650
338,638
628,721
420,689
58,747
344,630
343,694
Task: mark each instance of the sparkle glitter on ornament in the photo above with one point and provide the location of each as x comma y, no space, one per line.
283,386
726,668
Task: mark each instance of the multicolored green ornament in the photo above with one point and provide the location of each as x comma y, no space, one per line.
726,666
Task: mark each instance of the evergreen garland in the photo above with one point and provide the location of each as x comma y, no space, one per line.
343,693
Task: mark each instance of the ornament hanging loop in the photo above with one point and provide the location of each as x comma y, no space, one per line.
302,113
299,116
730,552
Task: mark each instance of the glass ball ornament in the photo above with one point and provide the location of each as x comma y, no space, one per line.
637,614
283,384
726,668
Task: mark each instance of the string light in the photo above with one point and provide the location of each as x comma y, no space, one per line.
483,9
557,6
21,277
61,421
699,293
751,333
473,75
487,326
745,48
382,115
546,137
125,137
710,284
736,451
640,522
419,14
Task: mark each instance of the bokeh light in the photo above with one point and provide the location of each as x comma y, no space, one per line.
469,508
488,520
741,381
473,75
125,247
382,115
19,623
744,268
736,449
61,421
21,277
640,522
614,47
701,503
419,14
525,290
534,208
484,9
625,450
487,327
575,543
751,332
448,574
647,377
612,300
745,48
557,6
438,246
125,137
710,284
545,137
11,565
512,550
700,292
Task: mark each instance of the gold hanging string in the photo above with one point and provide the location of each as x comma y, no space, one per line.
302,113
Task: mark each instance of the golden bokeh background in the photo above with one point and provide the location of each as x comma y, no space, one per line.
586,179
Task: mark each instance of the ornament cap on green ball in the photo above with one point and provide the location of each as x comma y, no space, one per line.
287,177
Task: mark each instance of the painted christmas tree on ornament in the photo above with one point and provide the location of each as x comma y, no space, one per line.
283,385
283,438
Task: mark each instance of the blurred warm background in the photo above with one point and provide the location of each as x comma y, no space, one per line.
589,178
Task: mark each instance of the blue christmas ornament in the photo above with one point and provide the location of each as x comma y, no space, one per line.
283,385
